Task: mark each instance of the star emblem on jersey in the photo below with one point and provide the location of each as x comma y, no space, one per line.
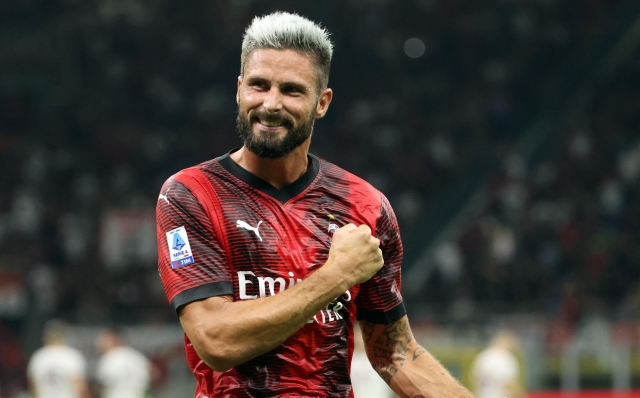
164,196
244,225
331,217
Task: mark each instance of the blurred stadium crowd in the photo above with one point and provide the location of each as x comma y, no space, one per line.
560,232
101,101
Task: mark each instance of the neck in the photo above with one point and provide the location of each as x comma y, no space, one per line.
277,172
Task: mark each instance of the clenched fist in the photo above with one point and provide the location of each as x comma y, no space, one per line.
355,254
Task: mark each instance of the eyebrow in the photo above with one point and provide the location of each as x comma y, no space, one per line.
300,86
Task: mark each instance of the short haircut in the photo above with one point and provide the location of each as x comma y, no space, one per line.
285,31
55,330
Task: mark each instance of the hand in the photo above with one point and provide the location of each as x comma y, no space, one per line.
355,253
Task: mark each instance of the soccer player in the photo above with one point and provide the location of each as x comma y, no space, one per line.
57,370
496,371
270,254
122,371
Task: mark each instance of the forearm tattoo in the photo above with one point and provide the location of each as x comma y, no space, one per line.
418,351
367,330
388,346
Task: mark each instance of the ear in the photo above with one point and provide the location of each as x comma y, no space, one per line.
238,90
323,102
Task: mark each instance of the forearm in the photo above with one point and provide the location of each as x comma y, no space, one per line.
407,367
243,330
82,390
516,390
423,376
32,388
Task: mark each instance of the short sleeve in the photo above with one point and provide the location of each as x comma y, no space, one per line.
31,370
78,367
191,261
101,371
379,299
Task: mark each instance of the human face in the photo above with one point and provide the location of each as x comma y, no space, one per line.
278,102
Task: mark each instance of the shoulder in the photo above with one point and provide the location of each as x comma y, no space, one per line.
493,358
366,203
131,352
355,184
38,355
209,166
74,353
180,190
39,352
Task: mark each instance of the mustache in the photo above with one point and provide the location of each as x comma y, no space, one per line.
271,117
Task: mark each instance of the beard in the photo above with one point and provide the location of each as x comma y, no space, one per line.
267,144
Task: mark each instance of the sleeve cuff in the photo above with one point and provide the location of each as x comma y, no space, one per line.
201,292
379,317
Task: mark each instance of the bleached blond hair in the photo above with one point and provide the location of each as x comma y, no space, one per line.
285,31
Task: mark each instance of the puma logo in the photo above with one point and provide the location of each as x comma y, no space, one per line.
164,196
242,224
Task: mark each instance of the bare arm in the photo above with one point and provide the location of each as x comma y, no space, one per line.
81,387
32,387
407,367
516,390
225,333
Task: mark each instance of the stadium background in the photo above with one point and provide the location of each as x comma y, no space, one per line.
504,132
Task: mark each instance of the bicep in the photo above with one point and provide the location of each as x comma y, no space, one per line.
193,314
81,387
195,318
204,322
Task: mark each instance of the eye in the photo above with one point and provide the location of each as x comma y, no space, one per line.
292,90
259,84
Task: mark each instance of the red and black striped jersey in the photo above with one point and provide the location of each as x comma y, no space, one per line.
224,231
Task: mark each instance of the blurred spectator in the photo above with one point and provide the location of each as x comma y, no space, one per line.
496,371
122,371
57,370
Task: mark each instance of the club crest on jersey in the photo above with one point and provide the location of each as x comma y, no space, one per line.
179,248
332,228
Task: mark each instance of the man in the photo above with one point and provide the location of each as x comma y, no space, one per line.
57,370
122,371
267,254
496,371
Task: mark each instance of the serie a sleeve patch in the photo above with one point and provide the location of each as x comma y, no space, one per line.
179,248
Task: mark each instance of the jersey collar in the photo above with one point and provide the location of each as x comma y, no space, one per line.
281,195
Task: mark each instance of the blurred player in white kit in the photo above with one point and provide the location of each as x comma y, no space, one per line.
57,370
496,370
122,371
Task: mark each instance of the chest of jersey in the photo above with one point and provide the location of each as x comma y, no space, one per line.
272,246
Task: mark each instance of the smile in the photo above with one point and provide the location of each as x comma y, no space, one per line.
271,124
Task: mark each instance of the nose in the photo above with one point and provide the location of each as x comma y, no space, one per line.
273,100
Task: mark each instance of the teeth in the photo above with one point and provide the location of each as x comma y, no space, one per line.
271,124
